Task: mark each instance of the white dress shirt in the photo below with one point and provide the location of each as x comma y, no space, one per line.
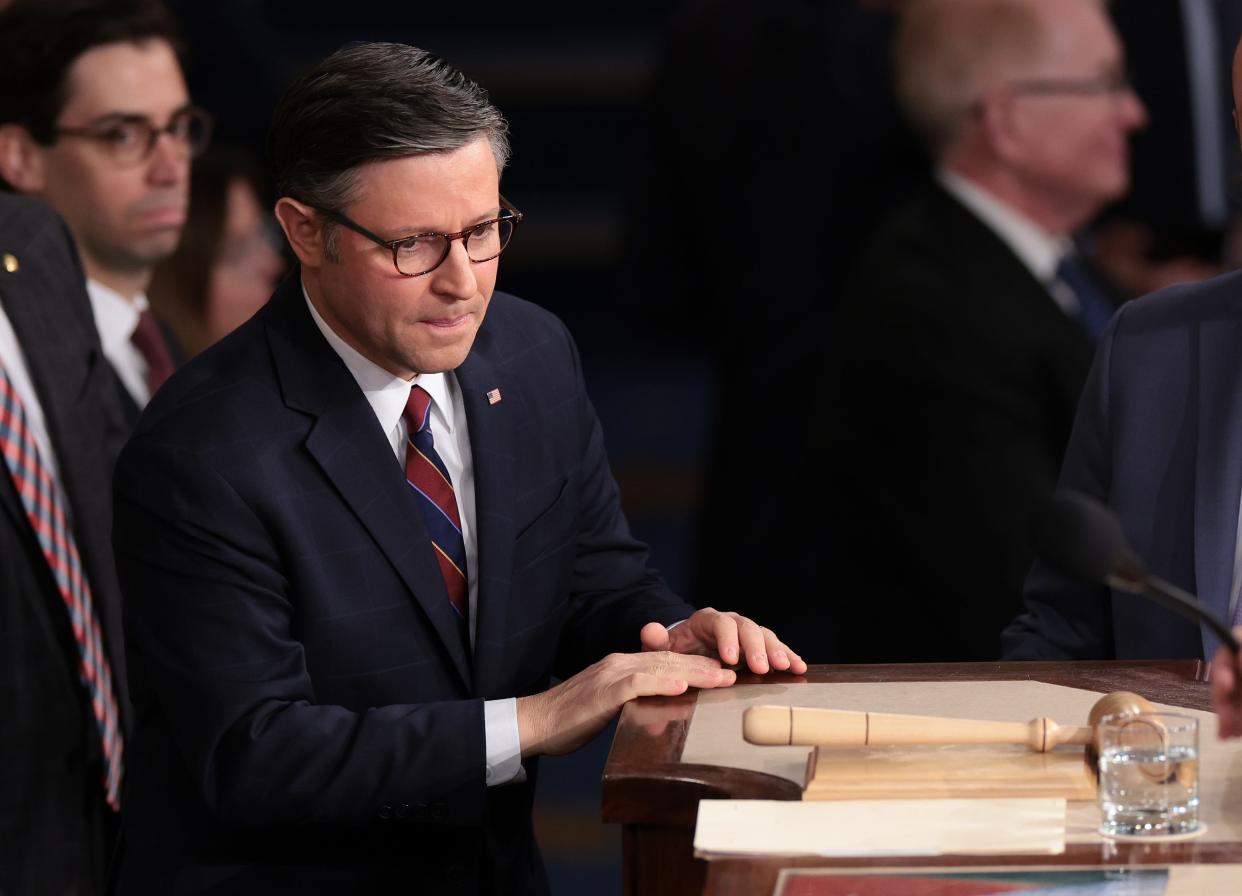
1037,249
387,394
13,359
116,318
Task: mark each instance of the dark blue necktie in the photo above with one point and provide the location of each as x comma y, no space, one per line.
1094,308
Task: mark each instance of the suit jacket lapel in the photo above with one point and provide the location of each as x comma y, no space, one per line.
493,435
1218,475
347,443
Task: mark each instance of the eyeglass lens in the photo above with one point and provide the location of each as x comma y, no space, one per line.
420,254
132,140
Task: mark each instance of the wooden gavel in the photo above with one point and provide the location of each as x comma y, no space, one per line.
807,726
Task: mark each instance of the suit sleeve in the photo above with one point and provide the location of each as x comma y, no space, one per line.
211,626
1065,620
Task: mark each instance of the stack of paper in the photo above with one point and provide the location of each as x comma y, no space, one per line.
880,827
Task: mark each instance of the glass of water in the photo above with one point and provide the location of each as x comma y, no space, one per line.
1149,774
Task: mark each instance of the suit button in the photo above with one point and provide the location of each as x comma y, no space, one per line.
385,812
403,809
438,812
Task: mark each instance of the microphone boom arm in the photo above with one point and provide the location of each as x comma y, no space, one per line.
1172,598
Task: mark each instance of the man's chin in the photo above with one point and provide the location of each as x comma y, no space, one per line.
439,360
153,249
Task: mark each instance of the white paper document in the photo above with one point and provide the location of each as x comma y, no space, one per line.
880,827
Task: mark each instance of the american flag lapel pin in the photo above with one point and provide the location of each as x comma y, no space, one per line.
493,397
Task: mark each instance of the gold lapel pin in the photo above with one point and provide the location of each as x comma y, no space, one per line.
10,263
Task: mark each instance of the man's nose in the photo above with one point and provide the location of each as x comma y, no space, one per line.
1134,113
456,275
169,162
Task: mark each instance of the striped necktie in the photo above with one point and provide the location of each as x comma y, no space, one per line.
430,482
41,500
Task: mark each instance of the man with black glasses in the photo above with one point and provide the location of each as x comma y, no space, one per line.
102,129
358,537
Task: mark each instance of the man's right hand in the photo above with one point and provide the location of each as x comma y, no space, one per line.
562,719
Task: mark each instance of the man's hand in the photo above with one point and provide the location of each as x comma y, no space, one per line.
726,635
1227,690
564,718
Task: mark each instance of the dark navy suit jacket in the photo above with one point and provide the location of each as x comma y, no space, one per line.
1158,437
308,717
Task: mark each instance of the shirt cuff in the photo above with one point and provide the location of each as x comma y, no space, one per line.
503,746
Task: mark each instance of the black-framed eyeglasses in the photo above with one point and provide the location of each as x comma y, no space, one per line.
422,253
130,139
1114,82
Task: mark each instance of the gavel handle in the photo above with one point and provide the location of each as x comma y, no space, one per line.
805,726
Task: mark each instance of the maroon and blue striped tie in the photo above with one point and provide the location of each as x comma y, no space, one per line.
41,500
433,488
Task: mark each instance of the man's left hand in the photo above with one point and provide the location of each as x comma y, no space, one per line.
725,635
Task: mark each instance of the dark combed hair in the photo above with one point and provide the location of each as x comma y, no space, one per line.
368,102
40,40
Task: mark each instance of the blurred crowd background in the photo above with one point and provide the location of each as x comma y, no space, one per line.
704,184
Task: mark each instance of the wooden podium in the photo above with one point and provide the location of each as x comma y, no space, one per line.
654,796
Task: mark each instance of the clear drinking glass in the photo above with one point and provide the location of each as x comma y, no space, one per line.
1149,774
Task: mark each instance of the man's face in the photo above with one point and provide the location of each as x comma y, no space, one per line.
411,325
124,218
1074,147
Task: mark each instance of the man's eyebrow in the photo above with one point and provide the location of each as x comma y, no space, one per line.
419,231
121,116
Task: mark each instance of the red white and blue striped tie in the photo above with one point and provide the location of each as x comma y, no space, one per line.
41,500
429,479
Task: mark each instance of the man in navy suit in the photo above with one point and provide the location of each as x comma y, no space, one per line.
1158,437
335,690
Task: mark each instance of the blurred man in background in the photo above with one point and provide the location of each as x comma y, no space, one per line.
103,131
961,351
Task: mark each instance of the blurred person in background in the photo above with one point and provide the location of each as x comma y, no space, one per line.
1157,439
103,131
959,355
228,261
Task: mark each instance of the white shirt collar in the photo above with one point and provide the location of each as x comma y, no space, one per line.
1036,248
386,392
116,317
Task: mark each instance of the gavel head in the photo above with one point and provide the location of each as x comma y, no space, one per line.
1116,703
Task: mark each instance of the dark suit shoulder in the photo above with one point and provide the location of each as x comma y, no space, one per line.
22,221
1219,298
935,259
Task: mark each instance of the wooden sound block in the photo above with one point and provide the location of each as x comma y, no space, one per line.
946,772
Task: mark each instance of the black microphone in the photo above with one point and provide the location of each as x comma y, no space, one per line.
1081,539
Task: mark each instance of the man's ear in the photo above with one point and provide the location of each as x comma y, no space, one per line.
21,160
999,123
304,228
